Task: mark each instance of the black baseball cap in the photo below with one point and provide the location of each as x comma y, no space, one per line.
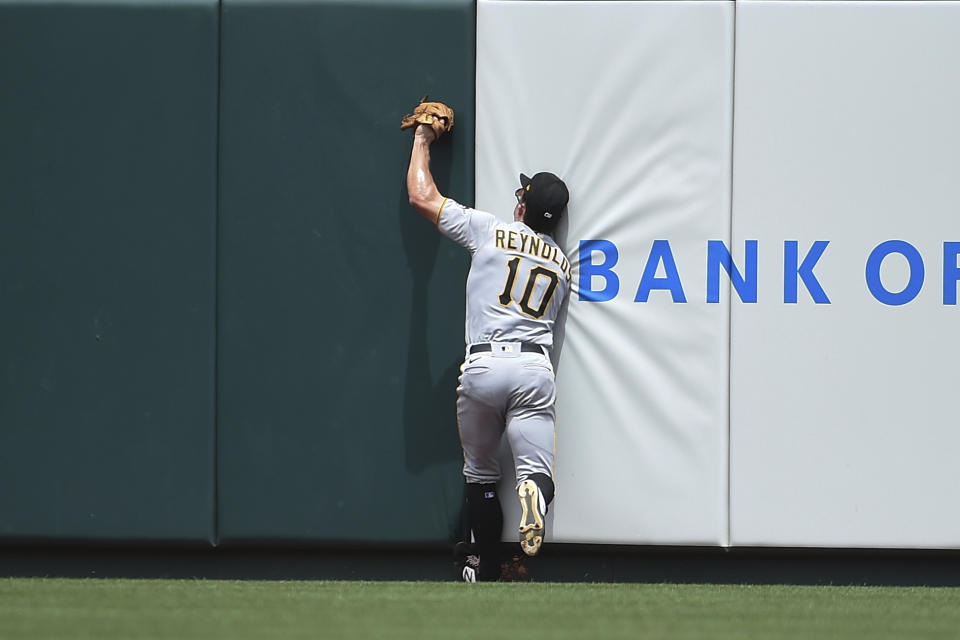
546,198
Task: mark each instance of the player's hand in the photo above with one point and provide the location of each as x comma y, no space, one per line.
425,133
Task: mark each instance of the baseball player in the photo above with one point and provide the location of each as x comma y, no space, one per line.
517,282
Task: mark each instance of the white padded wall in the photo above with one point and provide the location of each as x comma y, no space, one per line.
844,421
629,102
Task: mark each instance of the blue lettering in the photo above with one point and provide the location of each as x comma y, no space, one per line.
916,272
604,270
951,272
745,281
805,271
660,252
718,255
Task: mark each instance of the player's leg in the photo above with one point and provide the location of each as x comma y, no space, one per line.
485,518
480,422
530,430
532,443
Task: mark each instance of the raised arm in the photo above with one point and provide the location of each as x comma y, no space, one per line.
422,190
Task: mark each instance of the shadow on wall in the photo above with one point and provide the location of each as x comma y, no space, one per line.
560,329
429,405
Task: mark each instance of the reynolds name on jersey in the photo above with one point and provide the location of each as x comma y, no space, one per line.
529,244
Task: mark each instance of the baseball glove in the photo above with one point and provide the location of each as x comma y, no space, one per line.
436,114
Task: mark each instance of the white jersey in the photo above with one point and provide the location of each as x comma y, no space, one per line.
518,278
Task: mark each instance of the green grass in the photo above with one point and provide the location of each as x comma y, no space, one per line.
93,608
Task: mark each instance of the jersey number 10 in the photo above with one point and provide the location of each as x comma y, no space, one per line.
535,272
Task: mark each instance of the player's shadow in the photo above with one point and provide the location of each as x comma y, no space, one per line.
429,405
560,235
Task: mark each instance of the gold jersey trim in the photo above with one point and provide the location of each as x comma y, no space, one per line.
440,212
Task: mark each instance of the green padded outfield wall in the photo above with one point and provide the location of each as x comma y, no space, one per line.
341,310
107,275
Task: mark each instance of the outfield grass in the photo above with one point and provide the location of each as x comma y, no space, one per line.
94,608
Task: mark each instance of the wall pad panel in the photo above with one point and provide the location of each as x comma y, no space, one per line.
107,223
341,310
629,102
843,374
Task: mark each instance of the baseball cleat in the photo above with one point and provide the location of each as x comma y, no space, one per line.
468,562
531,520
471,569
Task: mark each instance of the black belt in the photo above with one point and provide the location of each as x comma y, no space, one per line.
526,347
